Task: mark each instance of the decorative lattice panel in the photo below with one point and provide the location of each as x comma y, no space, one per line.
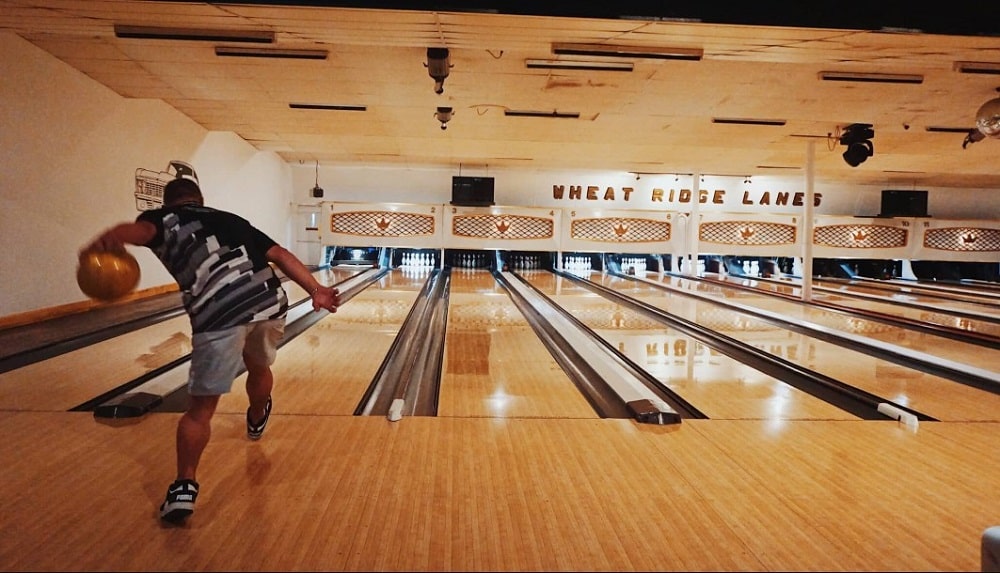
516,227
860,236
746,233
963,239
381,224
620,230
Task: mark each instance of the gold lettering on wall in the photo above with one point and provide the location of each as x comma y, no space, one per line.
683,196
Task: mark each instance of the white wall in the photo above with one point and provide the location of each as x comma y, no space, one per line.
71,148
534,188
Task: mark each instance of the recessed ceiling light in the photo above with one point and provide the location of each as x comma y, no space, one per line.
328,107
163,33
871,77
627,51
938,129
579,65
748,121
270,53
533,113
977,67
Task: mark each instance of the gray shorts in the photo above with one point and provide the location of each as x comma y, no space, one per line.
218,357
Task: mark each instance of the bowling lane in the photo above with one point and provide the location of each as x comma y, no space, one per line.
974,318
326,369
948,293
935,396
925,342
494,363
63,382
719,386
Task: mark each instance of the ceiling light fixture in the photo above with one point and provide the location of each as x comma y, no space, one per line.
789,167
162,33
941,129
328,107
236,51
857,138
871,77
747,121
317,191
988,118
977,67
610,50
987,122
579,65
533,113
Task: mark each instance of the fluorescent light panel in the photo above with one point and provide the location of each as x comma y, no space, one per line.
627,51
328,107
271,53
160,33
977,67
871,77
532,113
579,65
747,121
938,129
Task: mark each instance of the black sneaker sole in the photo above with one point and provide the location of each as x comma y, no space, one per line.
255,432
176,515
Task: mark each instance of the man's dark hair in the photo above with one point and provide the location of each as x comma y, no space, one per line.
180,190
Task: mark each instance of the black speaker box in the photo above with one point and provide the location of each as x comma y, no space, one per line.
897,203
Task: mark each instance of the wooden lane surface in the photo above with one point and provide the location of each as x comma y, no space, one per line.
956,302
716,384
48,331
946,348
338,493
936,396
326,369
68,380
938,315
494,363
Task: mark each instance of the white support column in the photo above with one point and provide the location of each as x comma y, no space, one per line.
691,268
807,223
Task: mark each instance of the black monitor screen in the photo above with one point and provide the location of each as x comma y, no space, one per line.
897,203
472,191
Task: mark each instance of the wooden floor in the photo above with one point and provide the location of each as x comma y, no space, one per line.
514,474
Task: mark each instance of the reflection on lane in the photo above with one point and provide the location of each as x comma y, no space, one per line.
495,365
936,396
944,348
721,387
951,313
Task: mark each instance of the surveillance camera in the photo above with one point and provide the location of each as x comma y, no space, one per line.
437,67
443,114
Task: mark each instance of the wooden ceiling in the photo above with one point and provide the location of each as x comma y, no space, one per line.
663,116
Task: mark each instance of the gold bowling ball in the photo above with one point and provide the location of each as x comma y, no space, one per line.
107,275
